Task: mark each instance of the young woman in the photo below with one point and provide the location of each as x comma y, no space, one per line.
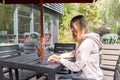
86,54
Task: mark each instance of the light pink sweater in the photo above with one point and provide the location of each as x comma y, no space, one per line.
87,57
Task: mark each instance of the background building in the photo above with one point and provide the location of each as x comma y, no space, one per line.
17,19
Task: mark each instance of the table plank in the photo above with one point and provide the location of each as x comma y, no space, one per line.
24,58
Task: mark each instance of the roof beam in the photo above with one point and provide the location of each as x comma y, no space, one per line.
44,1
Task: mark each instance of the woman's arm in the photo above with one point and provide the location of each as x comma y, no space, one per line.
82,56
67,55
56,58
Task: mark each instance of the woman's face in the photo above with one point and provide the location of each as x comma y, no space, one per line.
77,33
74,29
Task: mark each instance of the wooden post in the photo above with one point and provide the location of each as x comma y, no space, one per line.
41,29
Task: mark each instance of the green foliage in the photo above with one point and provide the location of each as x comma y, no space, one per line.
70,10
90,11
110,38
109,13
114,9
31,35
103,13
118,30
27,34
3,36
103,30
34,35
6,18
50,48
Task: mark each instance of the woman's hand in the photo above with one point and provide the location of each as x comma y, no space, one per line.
54,58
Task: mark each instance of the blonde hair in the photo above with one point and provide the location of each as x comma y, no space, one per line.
82,26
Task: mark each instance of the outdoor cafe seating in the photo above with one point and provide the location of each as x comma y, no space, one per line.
12,48
8,51
29,64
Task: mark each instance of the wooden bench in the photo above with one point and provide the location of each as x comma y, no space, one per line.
111,71
109,56
8,51
116,71
64,47
29,47
12,50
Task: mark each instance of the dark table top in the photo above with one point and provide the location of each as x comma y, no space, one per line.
32,62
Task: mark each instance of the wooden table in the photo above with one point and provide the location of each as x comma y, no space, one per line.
30,62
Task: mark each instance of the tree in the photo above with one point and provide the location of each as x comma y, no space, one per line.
90,11
6,18
70,10
109,13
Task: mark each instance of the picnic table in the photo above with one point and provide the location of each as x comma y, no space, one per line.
30,62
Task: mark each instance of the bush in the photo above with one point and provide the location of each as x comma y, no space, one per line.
33,36
103,30
27,34
118,31
50,48
110,38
